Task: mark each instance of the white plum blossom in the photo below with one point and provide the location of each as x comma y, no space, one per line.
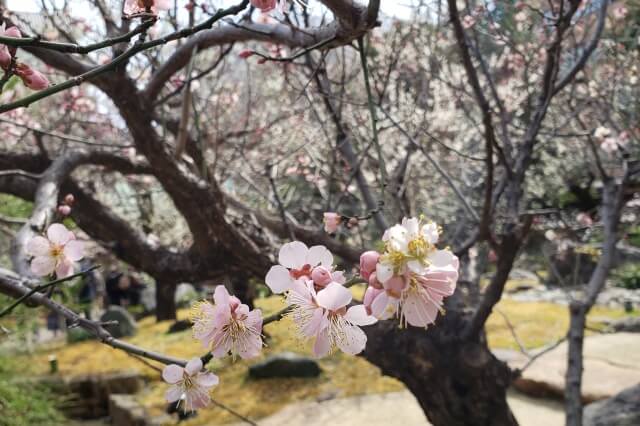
189,385
55,253
296,261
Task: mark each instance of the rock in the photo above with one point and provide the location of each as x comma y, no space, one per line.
179,326
622,409
126,323
124,410
630,325
87,396
185,294
286,364
611,364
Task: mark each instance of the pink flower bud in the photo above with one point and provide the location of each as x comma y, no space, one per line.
69,199
13,32
373,281
368,262
331,222
321,276
5,57
369,297
31,78
244,54
64,210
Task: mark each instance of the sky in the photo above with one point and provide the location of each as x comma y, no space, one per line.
396,8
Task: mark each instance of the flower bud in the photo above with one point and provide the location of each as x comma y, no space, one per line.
321,276
64,210
368,262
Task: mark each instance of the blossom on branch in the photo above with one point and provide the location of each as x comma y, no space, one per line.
133,7
189,384
31,78
228,326
297,261
8,52
324,316
331,222
56,253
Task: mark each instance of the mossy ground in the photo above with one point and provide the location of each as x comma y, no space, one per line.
536,324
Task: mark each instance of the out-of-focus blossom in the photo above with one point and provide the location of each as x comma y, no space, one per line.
620,11
31,78
468,22
584,219
56,253
324,316
189,385
601,132
228,327
331,222
69,199
132,7
7,52
64,210
245,53
296,261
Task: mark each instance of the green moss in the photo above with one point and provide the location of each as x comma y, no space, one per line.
15,207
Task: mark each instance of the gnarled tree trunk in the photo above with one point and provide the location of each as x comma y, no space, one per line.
165,301
457,383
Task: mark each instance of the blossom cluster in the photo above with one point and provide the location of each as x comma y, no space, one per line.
31,78
408,280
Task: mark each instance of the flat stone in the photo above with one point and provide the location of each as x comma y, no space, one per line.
286,364
622,409
124,410
126,324
398,408
630,325
611,364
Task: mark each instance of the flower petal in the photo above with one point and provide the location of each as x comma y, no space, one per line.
59,234
42,266
333,297
173,394
172,373
384,271
441,258
278,279
64,268
194,366
293,255
207,380
418,310
38,246
221,296
319,255
352,340
358,315
74,250
322,345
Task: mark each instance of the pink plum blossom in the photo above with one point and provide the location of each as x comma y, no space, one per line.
189,384
296,261
132,7
324,317
64,210
56,253
228,326
620,12
331,222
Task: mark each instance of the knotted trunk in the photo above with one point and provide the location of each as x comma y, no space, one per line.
165,301
457,383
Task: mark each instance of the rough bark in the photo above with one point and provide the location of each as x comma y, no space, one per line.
165,301
456,382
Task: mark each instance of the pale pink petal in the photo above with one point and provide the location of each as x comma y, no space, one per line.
197,398
352,340
172,373
322,345
396,284
430,231
317,323
193,366
417,267
384,306
207,380
370,295
59,234
254,320
74,250
42,266
333,297
412,225
5,57
251,348
383,272
293,255
221,296
440,258
358,315
173,394
242,311
221,315
418,310
278,279
319,255
64,268
38,246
